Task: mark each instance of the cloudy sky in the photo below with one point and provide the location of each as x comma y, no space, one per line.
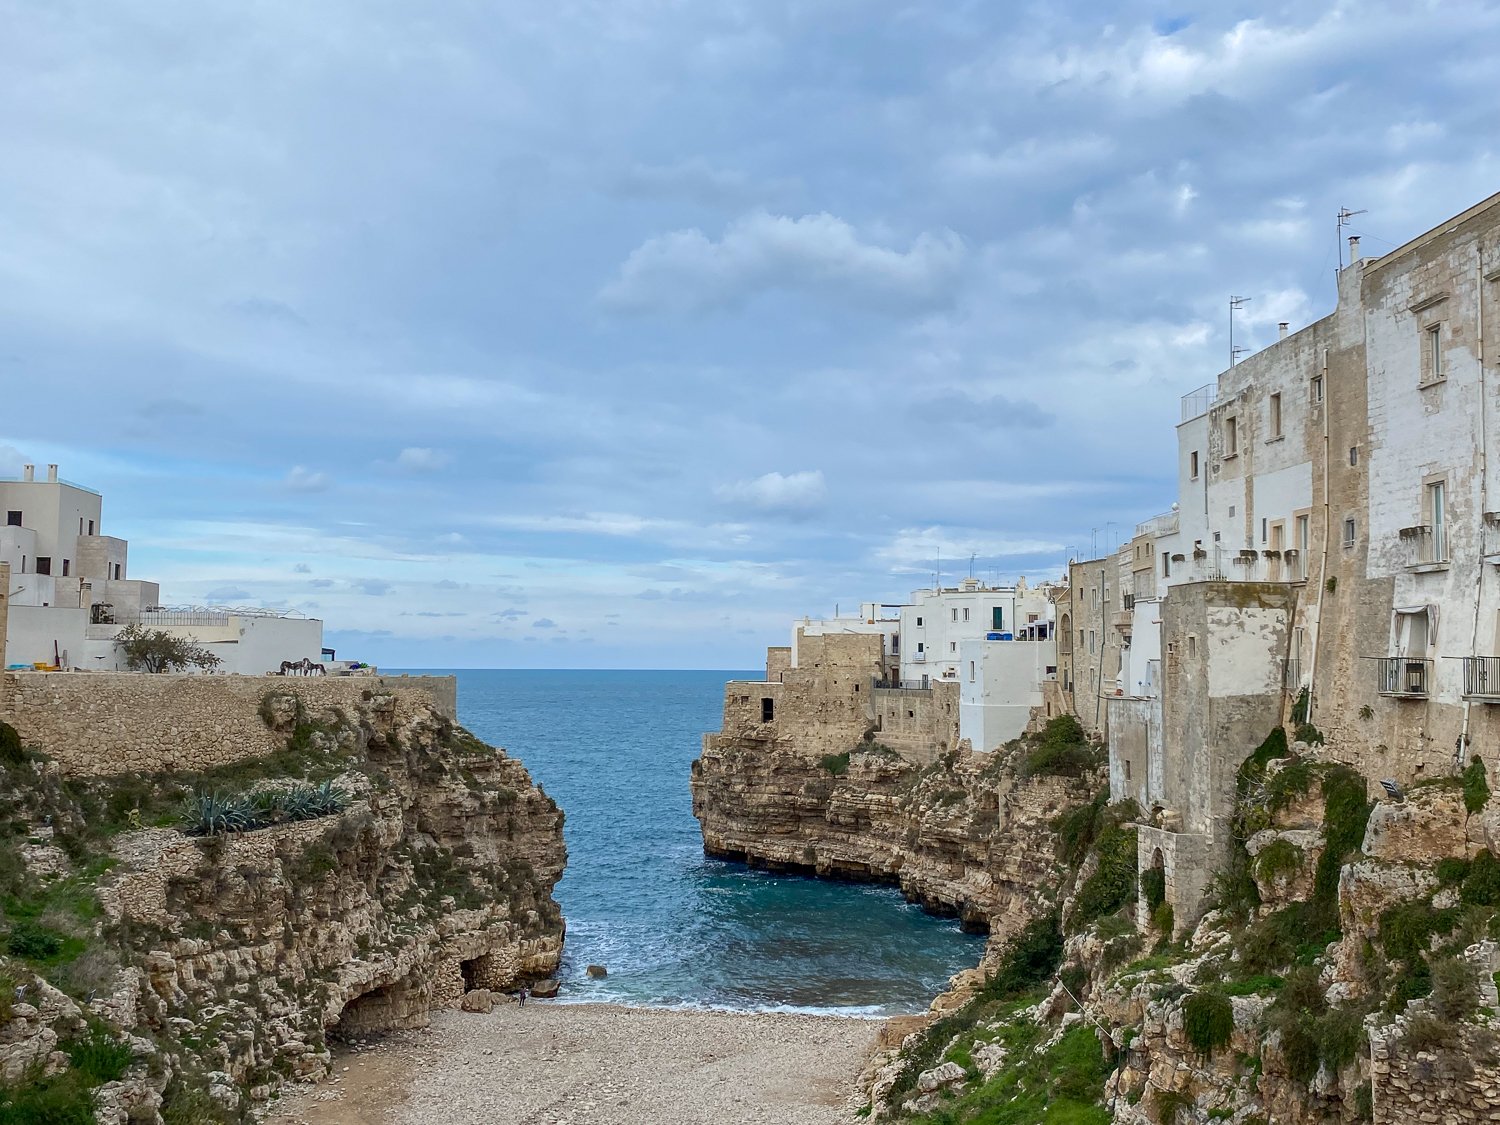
619,332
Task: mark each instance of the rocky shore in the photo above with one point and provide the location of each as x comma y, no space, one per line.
557,1064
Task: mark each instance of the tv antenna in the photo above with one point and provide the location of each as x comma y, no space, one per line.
1344,216
1235,304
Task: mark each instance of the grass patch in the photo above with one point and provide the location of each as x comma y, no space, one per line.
1208,1021
836,764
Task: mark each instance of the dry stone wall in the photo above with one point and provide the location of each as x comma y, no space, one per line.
113,722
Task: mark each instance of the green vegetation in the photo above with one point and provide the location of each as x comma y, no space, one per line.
1476,787
211,814
836,764
1208,1021
1154,887
1097,828
11,751
1279,857
1314,1034
1062,749
156,650
99,1057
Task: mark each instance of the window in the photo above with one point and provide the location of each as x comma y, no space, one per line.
1193,465
1262,529
12,519
1275,416
1127,769
1231,436
966,613
952,646
767,710
80,525
919,623
997,617
66,567
920,646
1091,640
1166,566
1316,389
1231,511
117,572
1354,455
1303,541
1094,595
44,564
1437,542
971,671
1434,364
1192,644
91,527
1080,638
955,615
1348,533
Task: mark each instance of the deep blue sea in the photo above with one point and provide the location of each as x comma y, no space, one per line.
673,927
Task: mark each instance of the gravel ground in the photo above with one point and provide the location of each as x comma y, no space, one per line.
550,1064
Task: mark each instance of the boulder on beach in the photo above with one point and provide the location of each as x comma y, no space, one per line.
597,971
480,1000
544,989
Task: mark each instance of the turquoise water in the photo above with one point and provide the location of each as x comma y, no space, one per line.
673,927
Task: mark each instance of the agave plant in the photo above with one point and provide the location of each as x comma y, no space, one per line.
300,803
212,814
328,799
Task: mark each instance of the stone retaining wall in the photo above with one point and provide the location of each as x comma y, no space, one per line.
115,722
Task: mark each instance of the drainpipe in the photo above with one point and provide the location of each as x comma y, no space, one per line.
1312,668
1484,481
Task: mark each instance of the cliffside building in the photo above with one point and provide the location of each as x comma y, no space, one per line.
70,592
1336,534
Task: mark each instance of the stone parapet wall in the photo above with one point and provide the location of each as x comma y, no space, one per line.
115,722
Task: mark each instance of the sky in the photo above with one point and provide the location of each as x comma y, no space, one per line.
621,333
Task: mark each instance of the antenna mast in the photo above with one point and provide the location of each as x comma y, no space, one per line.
1343,221
1235,303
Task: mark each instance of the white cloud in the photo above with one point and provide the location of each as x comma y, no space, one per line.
686,270
796,494
374,587
419,460
226,595
544,623
302,479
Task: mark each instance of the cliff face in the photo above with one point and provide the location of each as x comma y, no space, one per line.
232,958
962,836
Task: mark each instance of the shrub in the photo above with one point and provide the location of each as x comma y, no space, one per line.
1476,787
1346,811
1279,857
1078,827
1301,706
1031,958
1169,1103
1164,919
62,1099
32,941
12,753
156,650
1154,887
836,764
99,1057
1455,989
1309,734
1481,882
1113,882
1062,749
1208,1021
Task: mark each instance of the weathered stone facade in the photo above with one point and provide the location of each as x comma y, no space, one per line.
111,722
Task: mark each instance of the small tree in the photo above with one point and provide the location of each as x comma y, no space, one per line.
156,650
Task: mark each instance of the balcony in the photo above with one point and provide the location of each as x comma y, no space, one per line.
1157,526
1482,678
1426,547
1403,676
919,657
1197,403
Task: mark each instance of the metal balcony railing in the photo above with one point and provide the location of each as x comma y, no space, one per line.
1403,675
903,685
1199,402
1482,677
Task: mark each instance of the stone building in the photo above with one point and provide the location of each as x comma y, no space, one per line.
938,620
1335,534
1094,645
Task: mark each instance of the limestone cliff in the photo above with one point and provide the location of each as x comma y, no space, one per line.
225,962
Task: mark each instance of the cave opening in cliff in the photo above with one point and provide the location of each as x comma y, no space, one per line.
470,971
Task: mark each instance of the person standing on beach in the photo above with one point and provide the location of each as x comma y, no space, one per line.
523,996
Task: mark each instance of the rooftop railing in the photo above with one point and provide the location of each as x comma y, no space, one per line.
1197,403
1164,524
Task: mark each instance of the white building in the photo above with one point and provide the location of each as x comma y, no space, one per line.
939,621
1000,682
71,593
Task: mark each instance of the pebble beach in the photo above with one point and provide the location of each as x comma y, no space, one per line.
557,1064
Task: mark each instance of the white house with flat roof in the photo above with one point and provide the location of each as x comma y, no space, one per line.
71,593
938,621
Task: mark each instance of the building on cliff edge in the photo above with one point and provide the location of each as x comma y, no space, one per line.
1334,553
70,593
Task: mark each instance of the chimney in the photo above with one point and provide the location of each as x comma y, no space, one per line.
51,474
1353,248
28,472
1281,330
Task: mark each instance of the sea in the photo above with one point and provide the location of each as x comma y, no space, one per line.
673,927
